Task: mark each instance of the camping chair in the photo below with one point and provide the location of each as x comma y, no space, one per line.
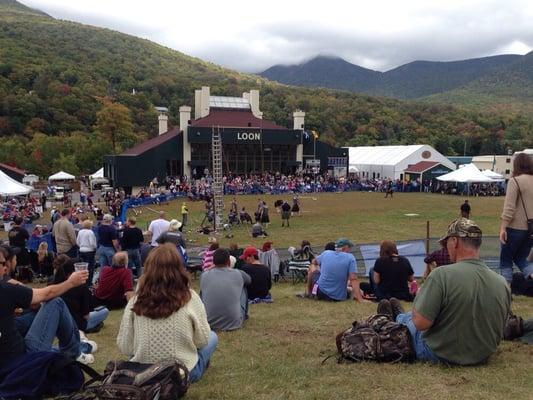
299,263
298,270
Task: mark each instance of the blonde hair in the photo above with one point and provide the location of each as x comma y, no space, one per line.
42,251
87,224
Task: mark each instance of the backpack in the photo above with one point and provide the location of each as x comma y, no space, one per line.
376,338
164,380
35,375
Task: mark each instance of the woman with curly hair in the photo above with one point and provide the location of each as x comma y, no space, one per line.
165,318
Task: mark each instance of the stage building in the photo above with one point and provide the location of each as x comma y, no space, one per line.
250,144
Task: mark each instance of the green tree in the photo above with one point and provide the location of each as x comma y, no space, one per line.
113,121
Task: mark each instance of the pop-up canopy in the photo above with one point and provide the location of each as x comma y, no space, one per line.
493,175
467,174
10,187
61,176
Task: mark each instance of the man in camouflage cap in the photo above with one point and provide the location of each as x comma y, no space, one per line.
459,314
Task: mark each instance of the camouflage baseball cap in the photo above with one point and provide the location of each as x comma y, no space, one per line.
462,227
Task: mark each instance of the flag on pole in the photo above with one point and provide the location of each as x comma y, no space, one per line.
315,134
306,135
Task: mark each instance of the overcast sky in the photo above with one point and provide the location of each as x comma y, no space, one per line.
251,35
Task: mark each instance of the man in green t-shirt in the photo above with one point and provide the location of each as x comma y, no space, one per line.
459,315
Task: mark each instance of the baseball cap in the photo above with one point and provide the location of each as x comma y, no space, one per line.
248,252
343,242
462,227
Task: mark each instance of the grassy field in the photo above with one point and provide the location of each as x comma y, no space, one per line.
278,353
362,217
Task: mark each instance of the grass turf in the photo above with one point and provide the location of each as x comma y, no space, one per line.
278,353
360,216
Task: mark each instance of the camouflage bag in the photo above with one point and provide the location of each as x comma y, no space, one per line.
375,338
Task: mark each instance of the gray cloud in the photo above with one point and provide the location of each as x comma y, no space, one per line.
436,34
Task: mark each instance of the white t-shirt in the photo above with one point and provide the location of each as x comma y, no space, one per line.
156,228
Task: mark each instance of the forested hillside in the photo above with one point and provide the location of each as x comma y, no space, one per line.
68,92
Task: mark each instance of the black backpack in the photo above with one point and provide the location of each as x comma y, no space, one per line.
125,380
376,338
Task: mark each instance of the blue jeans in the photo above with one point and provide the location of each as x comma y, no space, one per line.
52,320
88,257
244,304
204,355
422,350
106,256
516,251
96,317
134,261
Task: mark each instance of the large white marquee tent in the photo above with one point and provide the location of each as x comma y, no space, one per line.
381,162
10,187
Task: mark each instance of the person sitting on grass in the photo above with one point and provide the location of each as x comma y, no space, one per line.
166,319
115,285
258,230
331,271
223,291
78,301
436,259
390,275
459,314
259,288
32,318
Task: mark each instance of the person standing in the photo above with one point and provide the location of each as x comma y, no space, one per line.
64,235
132,239
157,227
465,210
108,238
86,242
516,236
285,213
184,214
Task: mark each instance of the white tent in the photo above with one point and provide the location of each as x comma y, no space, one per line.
353,169
467,174
493,175
61,176
30,179
10,187
381,162
98,174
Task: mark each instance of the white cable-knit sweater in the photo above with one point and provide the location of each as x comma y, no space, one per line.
179,336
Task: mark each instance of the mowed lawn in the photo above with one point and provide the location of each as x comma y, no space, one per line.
279,352
362,217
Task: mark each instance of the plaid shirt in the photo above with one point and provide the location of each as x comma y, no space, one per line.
440,257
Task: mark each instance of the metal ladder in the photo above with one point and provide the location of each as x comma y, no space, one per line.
218,188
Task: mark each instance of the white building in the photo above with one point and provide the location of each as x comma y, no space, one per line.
382,162
502,165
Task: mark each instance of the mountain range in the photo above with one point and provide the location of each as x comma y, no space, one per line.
65,86
509,75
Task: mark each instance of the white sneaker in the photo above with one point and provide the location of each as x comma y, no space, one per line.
83,338
85,358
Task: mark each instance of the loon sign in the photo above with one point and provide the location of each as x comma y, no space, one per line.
249,136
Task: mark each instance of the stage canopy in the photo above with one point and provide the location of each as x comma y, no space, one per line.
61,176
10,187
467,174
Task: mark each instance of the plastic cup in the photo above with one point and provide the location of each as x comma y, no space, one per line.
81,266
